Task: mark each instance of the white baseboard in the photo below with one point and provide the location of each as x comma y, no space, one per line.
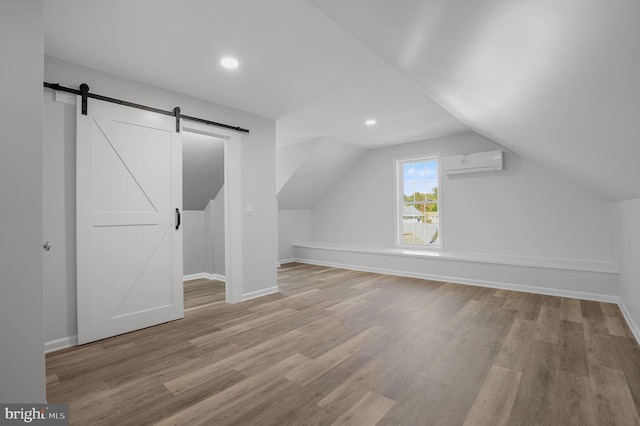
204,276
259,293
285,261
479,283
63,343
199,276
632,324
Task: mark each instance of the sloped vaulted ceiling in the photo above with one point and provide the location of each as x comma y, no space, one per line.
557,81
553,80
297,66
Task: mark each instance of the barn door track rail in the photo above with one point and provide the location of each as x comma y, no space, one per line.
83,91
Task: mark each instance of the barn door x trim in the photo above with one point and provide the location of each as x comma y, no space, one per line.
84,93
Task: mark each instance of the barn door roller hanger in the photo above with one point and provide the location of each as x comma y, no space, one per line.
83,91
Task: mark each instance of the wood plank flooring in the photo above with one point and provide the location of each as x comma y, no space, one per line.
338,347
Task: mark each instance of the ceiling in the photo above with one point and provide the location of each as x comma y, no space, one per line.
202,169
297,65
318,164
555,81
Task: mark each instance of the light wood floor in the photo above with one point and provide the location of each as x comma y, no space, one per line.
352,348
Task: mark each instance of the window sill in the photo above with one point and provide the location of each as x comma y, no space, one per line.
607,267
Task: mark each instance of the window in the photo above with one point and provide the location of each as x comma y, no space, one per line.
418,202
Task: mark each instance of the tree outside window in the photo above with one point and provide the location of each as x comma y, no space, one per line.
420,220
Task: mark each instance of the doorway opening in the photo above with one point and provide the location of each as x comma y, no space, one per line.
203,195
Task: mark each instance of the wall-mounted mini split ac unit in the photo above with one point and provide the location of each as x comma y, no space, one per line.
472,163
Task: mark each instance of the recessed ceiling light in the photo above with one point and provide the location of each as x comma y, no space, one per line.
370,122
229,62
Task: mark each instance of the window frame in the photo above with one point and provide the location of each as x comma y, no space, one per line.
399,200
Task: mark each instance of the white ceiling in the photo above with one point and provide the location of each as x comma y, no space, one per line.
317,164
202,171
556,81
297,65
552,80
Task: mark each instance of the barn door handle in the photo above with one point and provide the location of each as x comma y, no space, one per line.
177,218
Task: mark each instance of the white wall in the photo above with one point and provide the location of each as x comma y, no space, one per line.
259,254
59,221
204,251
214,236
208,245
22,367
290,157
217,235
294,226
194,246
524,210
627,215
316,171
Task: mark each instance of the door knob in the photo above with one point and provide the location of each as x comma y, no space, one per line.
47,246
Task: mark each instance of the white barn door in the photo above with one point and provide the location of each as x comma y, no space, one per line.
129,196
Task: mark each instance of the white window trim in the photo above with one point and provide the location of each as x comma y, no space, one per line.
399,201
